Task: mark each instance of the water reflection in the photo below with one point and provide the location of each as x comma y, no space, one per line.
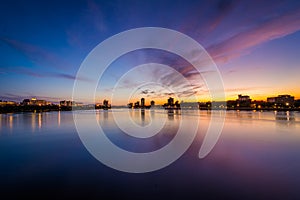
10,120
251,149
105,114
34,122
141,117
58,118
284,115
288,116
40,120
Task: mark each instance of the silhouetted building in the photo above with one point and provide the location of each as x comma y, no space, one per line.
142,102
285,100
243,101
257,105
130,105
105,103
231,104
67,103
8,103
297,103
137,104
271,99
171,105
281,101
170,101
152,103
26,102
243,98
35,102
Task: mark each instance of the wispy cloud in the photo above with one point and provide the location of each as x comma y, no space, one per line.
29,72
241,43
267,23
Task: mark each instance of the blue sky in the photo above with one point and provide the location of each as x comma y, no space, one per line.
255,44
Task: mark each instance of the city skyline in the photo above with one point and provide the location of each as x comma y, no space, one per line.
254,45
146,102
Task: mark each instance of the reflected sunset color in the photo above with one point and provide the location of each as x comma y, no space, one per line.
150,99
256,153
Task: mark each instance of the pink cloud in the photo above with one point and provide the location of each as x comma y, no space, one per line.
242,43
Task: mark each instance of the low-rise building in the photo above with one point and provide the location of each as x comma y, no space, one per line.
8,103
243,101
35,102
284,101
67,103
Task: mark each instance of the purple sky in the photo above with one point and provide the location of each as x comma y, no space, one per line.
255,45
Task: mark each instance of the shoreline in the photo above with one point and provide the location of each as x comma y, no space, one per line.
40,109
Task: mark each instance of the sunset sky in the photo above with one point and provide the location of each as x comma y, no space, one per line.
255,45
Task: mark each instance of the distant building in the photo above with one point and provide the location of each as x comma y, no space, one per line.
281,101
26,102
243,98
67,103
152,103
130,105
105,103
271,99
257,104
231,104
35,102
137,104
297,103
243,101
170,101
170,104
7,103
285,100
142,102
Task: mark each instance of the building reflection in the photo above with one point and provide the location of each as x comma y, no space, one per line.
171,114
105,114
58,118
143,116
10,121
284,116
33,122
40,120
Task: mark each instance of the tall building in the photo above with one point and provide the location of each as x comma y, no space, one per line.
170,101
105,103
142,102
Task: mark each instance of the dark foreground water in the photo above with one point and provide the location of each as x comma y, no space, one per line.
257,157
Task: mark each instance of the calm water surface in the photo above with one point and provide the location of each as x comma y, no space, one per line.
257,156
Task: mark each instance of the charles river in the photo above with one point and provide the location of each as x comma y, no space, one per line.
257,156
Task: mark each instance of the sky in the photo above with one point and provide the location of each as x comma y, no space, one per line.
254,44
